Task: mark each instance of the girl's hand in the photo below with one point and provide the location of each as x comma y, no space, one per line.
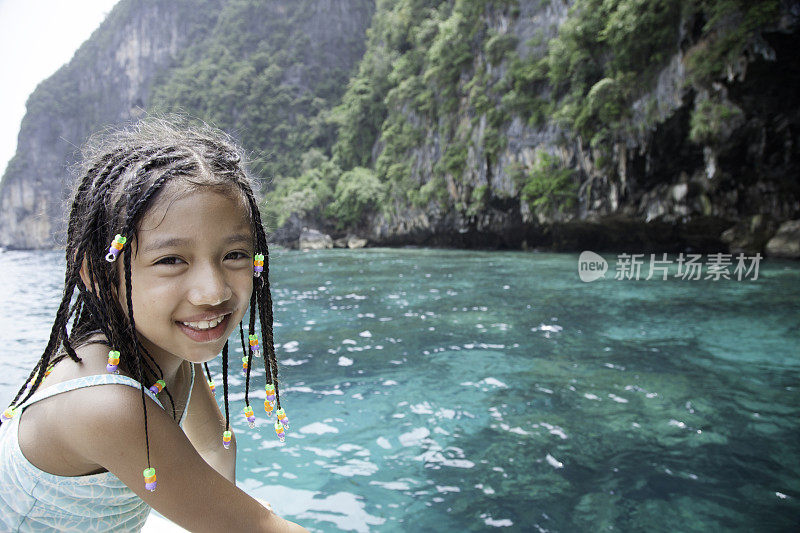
189,491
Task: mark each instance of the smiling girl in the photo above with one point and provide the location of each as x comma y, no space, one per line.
165,255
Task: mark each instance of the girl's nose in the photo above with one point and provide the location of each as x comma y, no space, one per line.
209,286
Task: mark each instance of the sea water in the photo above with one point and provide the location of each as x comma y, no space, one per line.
442,390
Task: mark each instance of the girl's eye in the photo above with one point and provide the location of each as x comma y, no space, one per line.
237,255
169,261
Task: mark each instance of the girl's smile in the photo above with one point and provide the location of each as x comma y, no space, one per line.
206,330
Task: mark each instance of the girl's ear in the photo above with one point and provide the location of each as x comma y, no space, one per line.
85,278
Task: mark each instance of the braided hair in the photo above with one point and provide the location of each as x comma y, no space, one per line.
122,174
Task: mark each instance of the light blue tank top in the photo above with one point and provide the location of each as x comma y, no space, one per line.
32,500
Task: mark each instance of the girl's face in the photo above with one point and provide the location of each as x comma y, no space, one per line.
192,273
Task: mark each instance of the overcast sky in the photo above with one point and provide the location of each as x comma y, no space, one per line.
36,38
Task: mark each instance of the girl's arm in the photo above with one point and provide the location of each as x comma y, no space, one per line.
190,492
204,425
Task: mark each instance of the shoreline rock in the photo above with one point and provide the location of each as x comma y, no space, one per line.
611,234
312,239
786,242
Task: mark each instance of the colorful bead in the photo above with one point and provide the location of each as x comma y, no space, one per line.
279,431
113,362
8,414
269,401
254,345
226,439
211,385
251,418
47,372
244,363
116,246
158,386
258,265
284,420
149,479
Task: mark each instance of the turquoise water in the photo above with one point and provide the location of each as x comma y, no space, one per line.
438,390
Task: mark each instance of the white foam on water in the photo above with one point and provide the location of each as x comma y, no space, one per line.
391,485
355,467
291,346
503,522
554,430
494,382
555,463
318,428
414,437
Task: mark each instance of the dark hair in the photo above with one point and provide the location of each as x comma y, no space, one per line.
122,174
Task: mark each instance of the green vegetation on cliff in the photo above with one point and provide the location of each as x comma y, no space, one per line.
427,93
263,74
417,70
607,53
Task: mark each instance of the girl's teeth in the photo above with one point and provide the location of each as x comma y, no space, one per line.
204,324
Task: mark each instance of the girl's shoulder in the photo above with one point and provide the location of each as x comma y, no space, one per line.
70,417
81,399
90,369
93,356
72,433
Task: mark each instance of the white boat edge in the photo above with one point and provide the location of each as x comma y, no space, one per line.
158,524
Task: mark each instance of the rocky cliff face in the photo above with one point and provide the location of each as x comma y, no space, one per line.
281,59
109,80
661,187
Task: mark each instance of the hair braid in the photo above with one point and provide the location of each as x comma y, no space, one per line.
138,356
241,337
264,302
107,163
225,384
249,353
265,315
55,335
157,373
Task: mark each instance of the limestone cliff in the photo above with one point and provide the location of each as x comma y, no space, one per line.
689,158
109,80
262,70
